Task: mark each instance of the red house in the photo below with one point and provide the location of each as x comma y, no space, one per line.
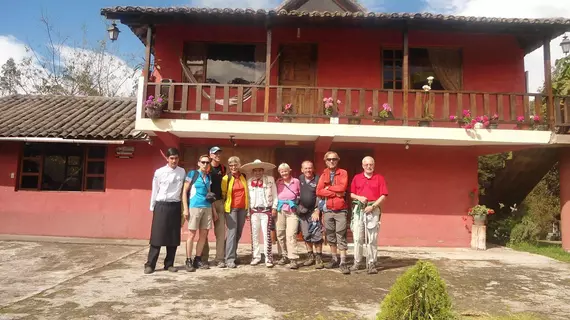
289,84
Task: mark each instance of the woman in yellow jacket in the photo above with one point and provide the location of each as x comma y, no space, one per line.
235,193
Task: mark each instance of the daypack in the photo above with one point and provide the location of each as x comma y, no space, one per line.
211,197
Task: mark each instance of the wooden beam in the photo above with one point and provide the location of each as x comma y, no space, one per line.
146,70
405,75
267,75
548,83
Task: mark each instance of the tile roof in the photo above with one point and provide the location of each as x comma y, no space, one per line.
325,14
68,117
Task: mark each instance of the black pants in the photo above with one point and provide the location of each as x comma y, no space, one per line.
153,253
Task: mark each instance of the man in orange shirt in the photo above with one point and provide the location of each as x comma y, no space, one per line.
332,188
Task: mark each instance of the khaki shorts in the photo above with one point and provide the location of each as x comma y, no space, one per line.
200,219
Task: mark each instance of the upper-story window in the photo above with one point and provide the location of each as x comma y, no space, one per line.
442,64
224,63
62,167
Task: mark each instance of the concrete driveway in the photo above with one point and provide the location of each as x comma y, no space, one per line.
58,278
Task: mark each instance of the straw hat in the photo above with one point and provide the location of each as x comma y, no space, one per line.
257,164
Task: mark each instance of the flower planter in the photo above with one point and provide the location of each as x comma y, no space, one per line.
153,113
480,220
493,125
381,122
287,119
334,120
523,126
354,120
424,123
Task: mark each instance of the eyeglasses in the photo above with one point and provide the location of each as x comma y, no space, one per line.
205,162
332,159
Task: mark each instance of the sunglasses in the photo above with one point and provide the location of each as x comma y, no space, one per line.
332,159
205,162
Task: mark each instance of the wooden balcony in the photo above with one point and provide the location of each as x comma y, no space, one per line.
249,103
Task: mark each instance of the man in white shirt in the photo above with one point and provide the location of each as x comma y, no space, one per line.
166,207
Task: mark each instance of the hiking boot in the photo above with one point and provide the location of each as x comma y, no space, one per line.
344,269
202,265
148,270
269,264
222,264
372,269
319,262
357,266
293,264
310,260
283,261
171,269
332,264
232,265
189,265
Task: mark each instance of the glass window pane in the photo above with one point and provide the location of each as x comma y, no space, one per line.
31,165
32,150
59,175
233,64
95,183
29,182
388,85
398,54
387,54
398,85
96,152
96,167
388,74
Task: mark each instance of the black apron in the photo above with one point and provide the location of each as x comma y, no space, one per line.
166,224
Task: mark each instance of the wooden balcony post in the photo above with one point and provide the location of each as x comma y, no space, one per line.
548,84
267,75
405,75
146,70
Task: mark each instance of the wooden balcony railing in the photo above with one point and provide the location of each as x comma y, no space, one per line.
246,103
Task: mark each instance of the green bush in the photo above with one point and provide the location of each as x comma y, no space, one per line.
418,294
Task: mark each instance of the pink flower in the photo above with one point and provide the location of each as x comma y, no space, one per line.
387,107
495,117
466,113
485,119
355,111
468,126
486,123
452,118
328,105
520,119
473,121
536,118
288,106
369,110
337,102
159,100
478,119
150,97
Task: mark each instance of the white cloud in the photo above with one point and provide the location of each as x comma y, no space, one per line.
512,9
119,75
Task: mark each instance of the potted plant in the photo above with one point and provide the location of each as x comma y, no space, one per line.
521,123
494,121
383,115
286,113
535,122
427,117
355,118
479,214
153,106
330,107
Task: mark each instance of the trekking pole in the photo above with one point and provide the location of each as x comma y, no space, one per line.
365,236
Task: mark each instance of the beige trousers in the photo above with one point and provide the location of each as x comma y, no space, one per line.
220,232
287,227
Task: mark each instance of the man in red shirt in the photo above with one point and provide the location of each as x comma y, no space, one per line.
368,191
332,188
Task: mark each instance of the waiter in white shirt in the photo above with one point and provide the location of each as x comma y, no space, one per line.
166,207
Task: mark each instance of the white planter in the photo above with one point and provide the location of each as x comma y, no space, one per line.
334,120
204,116
478,125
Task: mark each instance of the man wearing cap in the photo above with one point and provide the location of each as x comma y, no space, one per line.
310,215
368,191
217,172
262,208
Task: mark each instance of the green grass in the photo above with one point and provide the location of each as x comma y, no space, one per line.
551,250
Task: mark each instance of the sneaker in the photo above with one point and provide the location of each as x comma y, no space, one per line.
344,268
189,265
269,264
332,264
319,262
283,261
372,269
232,265
357,266
171,269
202,265
255,261
310,260
293,264
222,264
148,270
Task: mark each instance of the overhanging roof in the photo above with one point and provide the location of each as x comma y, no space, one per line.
529,32
68,117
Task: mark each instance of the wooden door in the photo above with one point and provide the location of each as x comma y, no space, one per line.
297,68
294,157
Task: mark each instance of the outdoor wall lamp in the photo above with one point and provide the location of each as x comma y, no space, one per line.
565,44
113,32
407,144
232,141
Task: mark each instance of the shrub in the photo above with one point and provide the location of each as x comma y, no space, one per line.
418,294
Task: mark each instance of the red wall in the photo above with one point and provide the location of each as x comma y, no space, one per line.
122,211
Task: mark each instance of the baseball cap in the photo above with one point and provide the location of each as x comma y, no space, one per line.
215,149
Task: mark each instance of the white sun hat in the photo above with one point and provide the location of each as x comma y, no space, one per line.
257,164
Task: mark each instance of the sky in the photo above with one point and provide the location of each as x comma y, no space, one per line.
73,20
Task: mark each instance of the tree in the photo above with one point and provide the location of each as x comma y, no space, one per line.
63,68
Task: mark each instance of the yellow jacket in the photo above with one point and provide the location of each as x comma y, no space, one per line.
227,191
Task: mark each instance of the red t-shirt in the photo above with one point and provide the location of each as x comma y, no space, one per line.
238,194
371,188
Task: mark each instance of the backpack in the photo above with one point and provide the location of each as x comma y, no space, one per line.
211,197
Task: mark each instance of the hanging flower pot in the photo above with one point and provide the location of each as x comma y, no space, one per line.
153,106
153,113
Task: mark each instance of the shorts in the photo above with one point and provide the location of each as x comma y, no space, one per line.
200,219
312,231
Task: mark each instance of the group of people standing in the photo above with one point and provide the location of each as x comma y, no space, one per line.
225,197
